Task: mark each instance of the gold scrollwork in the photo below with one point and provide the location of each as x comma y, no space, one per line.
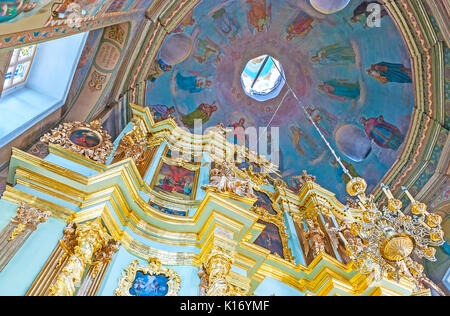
153,268
61,136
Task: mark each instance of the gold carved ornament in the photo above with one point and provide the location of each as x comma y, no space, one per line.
152,268
213,274
132,145
27,217
104,255
90,237
227,178
61,136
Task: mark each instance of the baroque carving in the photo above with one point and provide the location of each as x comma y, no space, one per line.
154,268
224,178
213,274
28,217
316,236
90,237
132,145
99,147
305,177
104,255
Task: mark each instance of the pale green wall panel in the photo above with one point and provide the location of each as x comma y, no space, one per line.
23,268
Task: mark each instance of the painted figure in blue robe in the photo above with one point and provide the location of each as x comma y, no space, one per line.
336,54
387,72
9,9
226,24
382,133
188,186
161,112
193,83
341,90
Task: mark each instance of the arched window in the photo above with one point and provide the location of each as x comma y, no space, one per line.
19,67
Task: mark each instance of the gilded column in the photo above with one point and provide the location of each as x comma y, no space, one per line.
55,262
90,237
214,272
14,235
97,271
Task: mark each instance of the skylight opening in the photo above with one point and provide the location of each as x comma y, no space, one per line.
261,78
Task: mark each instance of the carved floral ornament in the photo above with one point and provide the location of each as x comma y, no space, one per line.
27,217
143,280
87,139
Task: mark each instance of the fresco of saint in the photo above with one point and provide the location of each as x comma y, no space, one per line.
161,112
341,90
324,120
9,9
259,15
203,112
387,72
205,48
226,24
336,54
158,68
305,145
194,83
361,13
301,27
340,175
382,133
238,130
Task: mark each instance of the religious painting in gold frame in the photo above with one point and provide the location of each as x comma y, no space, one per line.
149,280
176,178
274,236
85,137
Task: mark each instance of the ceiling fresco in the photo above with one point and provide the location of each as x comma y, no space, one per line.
355,79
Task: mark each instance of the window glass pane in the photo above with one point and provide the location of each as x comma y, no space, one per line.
14,56
26,52
7,84
9,73
21,72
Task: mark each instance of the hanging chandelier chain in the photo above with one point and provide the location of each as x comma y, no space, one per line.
309,117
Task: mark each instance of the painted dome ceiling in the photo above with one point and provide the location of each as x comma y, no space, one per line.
354,77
